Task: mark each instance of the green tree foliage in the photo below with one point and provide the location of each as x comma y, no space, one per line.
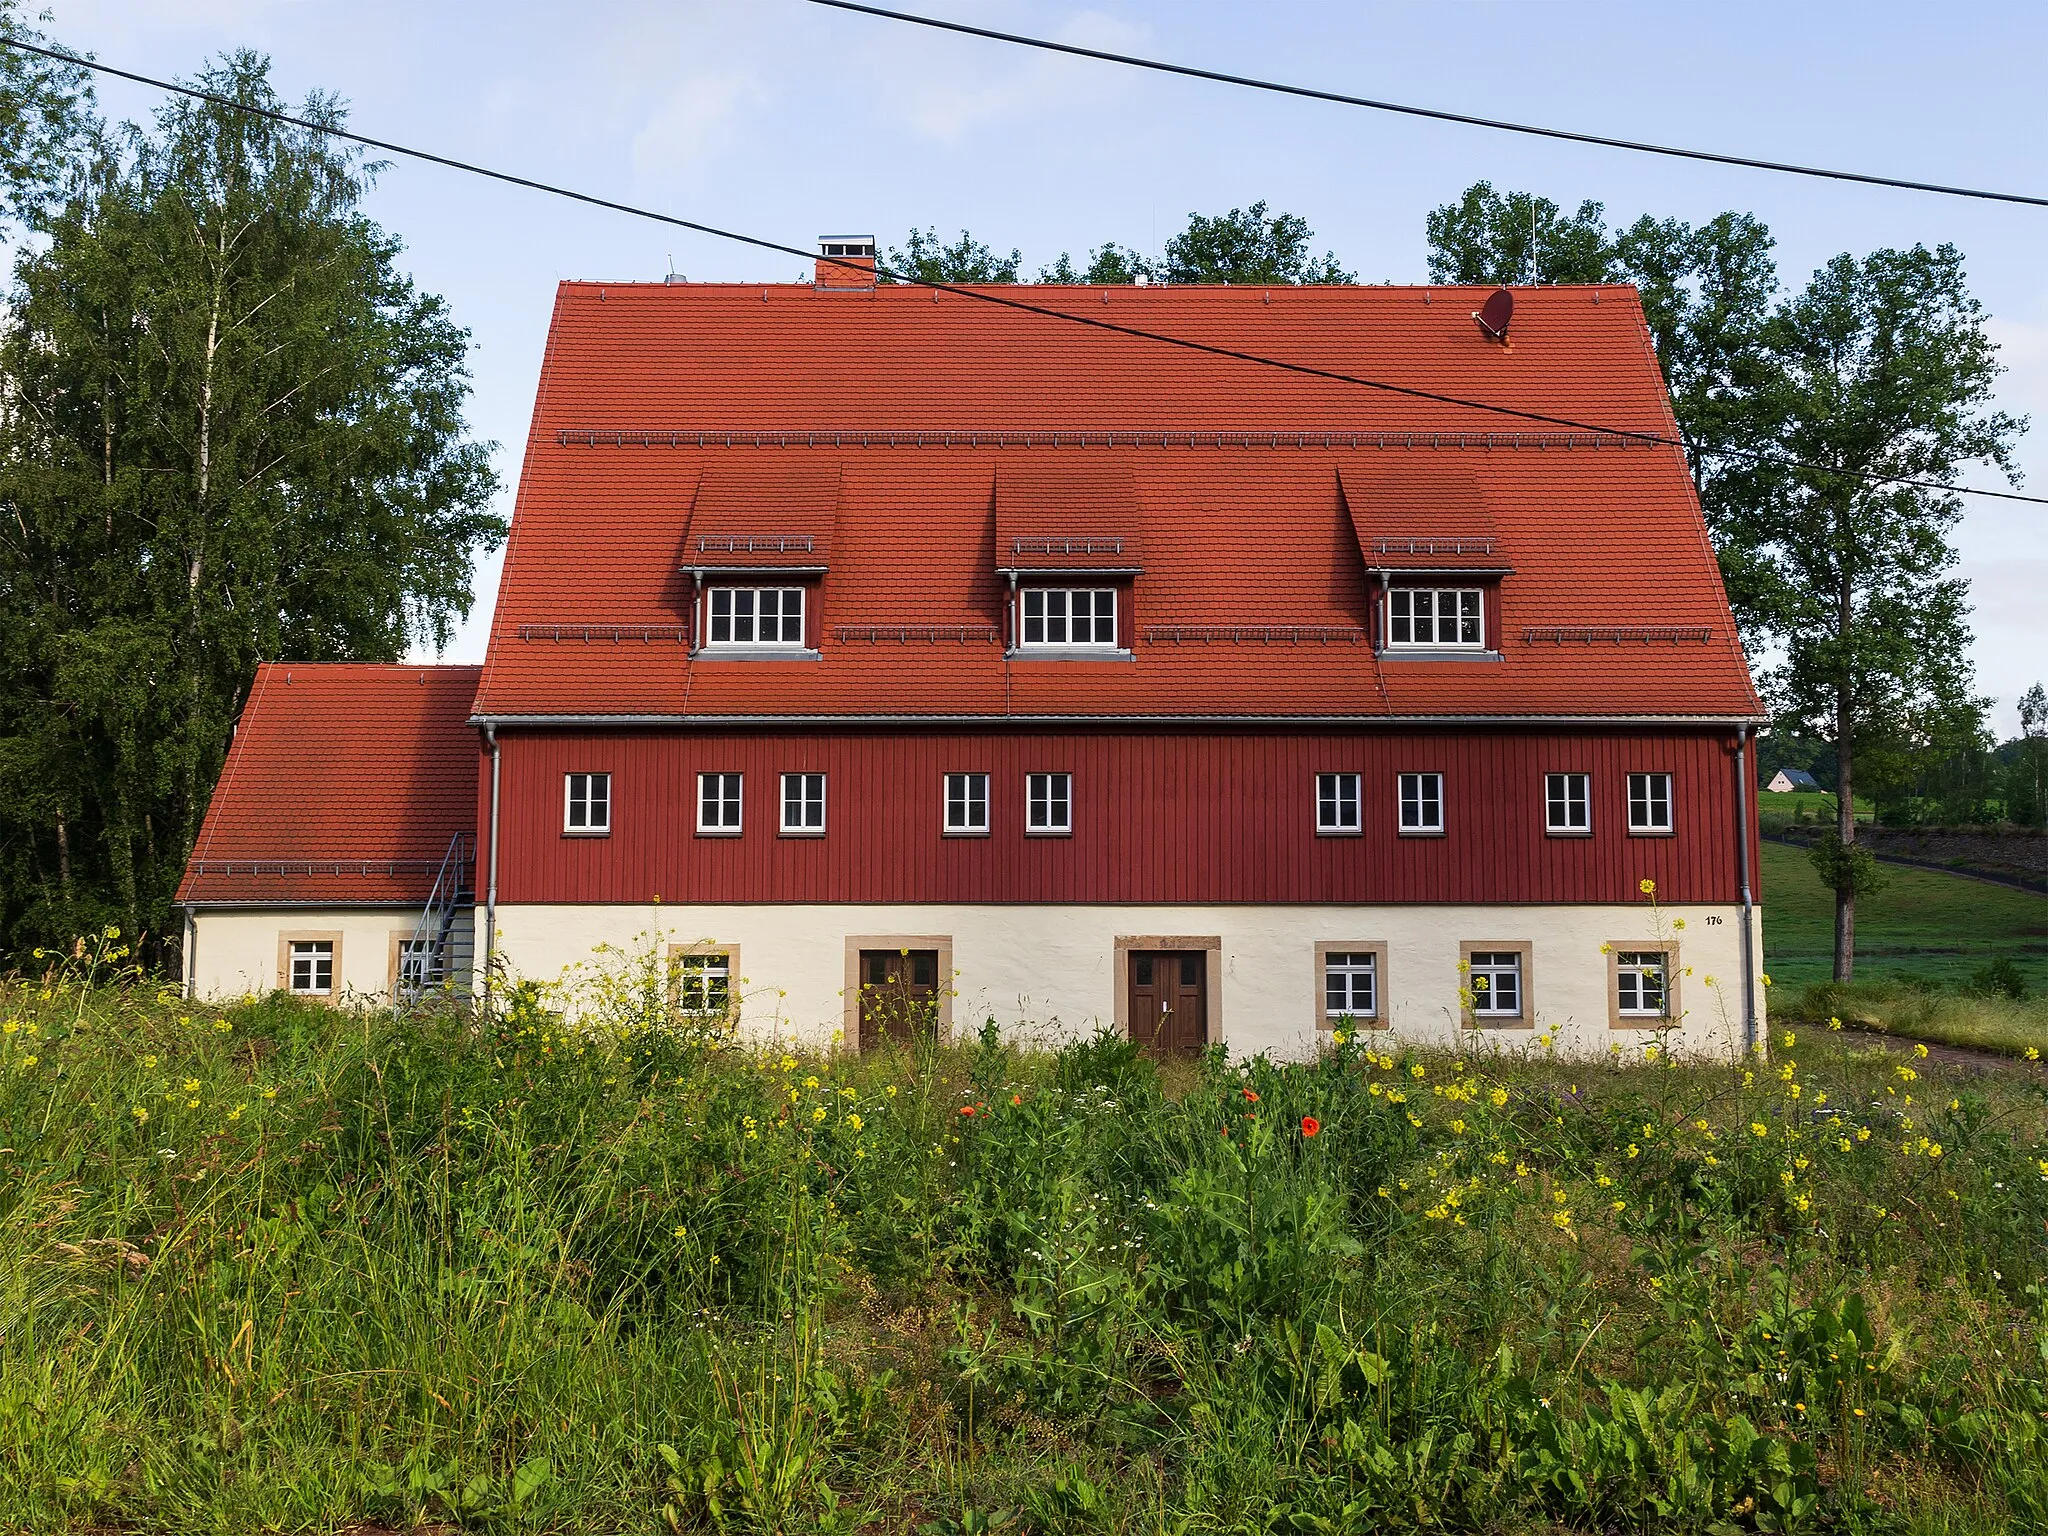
2026,763
1485,237
45,114
1246,245
233,430
1108,265
967,260
1881,368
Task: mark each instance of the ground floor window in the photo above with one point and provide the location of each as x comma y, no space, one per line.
1351,985
704,982
1496,983
1641,986
311,970
419,966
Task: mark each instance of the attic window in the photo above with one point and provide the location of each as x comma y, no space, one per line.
1435,617
846,248
757,616
1070,616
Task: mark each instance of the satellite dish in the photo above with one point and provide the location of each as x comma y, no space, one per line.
1493,316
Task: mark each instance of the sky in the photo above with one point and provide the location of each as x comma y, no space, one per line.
787,120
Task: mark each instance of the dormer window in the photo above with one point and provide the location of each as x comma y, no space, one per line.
757,616
1435,618
1069,617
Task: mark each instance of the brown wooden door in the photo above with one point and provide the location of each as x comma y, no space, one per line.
899,995
1169,1009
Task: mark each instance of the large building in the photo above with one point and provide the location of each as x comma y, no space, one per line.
885,652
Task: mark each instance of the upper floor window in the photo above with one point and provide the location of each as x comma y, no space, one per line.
757,616
1567,802
803,804
1048,803
1422,802
967,803
1434,616
1070,616
718,802
1337,796
587,803
1649,802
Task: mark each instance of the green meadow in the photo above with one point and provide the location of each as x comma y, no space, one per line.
274,1268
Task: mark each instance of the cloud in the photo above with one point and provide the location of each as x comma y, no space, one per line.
700,116
956,87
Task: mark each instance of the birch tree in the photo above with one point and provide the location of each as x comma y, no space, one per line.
234,432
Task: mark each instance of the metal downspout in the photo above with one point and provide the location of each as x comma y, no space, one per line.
1749,1034
491,889
191,953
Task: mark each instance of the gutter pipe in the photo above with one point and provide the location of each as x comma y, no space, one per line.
1749,1031
491,889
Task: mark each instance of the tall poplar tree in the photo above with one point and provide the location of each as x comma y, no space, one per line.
232,430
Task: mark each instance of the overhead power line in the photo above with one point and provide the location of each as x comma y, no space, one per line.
983,295
1436,114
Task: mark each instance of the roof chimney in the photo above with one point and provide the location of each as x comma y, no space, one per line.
846,261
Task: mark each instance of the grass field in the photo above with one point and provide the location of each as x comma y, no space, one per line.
1922,923
1803,805
279,1269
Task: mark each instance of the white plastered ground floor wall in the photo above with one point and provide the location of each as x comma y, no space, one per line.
1048,973
237,950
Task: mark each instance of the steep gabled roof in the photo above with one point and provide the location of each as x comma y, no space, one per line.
1259,504
344,784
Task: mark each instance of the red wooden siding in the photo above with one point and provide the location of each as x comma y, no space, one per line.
1158,818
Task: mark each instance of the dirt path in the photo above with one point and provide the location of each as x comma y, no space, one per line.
1966,1057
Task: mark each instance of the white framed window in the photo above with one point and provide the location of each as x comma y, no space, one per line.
803,804
1649,802
587,803
1642,987
1567,803
1337,797
704,982
757,616
1435,617
1494,977
1048,804
718,803
1422,803
1069,616
1351,985
967,804
312,967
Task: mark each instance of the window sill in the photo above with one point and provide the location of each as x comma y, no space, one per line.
586,831
1438,653
755,653
1654,1022
720,831
1568,832
1652,832
1354,1021
1068,653
1499,1021
802,834
964,832
1048,831
1422,832
1340,831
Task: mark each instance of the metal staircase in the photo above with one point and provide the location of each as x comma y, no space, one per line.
436,964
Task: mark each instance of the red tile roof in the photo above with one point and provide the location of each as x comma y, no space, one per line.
767,515
938,416
343,785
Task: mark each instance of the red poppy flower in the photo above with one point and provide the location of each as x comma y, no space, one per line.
1016,1098
967,1109
1250,1097
1310,1125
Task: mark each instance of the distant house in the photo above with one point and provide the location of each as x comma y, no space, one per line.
1219,705
1788,781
